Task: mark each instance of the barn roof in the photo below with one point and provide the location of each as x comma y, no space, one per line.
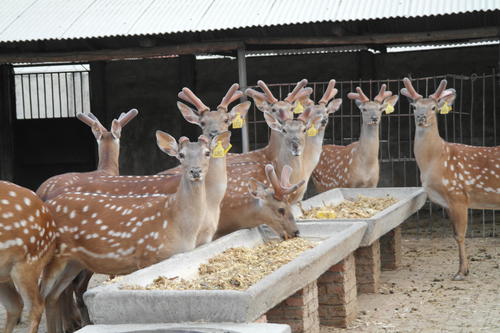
43,20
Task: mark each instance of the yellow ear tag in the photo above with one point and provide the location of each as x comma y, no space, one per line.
219,151
389,109
326,214
312,131
238,121
298,108
445,109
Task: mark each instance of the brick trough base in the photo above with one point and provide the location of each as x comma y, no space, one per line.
390,249
300,311
368,268
337,294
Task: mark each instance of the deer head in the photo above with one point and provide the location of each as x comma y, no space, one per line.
324,107
194,156
425,109
371,111
100,132
273,201
214,122
281,110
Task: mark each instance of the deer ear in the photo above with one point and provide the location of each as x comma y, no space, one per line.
241,108
449,97
189,114
116,129
224,138
261,104
272,122
97,131
256,189
167,143
334,105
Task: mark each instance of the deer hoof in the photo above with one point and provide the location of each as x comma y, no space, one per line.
459,277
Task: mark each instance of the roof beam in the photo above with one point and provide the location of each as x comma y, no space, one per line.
378,39
115,54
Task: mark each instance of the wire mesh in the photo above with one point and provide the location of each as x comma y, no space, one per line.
473,121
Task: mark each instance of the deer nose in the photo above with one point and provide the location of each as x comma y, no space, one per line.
374,118
296,233
195,172
214,133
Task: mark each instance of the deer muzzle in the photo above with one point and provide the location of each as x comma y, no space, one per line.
196,174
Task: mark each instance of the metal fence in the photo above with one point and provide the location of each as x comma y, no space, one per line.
473,121
51,92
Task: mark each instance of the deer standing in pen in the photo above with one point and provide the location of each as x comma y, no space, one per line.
110,234
109,151
357,164
455,176
27,243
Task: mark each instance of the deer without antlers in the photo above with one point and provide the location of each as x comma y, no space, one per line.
109,150
455,176
356,165
119,234
27,243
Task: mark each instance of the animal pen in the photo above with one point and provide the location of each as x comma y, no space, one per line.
473,121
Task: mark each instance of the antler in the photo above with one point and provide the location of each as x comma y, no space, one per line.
409,91
189,96
284,187
126,117
440,91
269,95
294,95
90,120
232,94
360,95
330,93
382,94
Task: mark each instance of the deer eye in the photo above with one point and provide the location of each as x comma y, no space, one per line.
203,123
283,130
207,153
433,108
281,211
226,120
181,155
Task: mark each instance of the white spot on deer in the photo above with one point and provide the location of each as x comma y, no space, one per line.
98,221
12,193
5,201
18,207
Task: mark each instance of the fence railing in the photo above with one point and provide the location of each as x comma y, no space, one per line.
474,120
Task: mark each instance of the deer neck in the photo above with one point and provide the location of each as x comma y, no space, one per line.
216,181
273,147
428,146
312,151
368,147
109,157
285,157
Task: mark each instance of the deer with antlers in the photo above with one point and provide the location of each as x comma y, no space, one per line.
27,243
455,176
357,164
109,152
111,234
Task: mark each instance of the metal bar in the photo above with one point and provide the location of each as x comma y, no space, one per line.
242,78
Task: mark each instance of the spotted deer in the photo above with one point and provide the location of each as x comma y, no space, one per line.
109,151
455,176
27,243
357,164
257,197
118,234
217,121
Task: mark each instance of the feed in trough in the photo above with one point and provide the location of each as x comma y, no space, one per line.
236,268
362,207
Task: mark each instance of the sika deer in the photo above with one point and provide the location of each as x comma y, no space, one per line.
356,165
215,122
109,150
265,204
27,243
120,234
455,176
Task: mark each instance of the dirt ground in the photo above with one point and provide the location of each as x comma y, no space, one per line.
420,297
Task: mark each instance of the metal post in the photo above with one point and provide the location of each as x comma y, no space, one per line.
242,78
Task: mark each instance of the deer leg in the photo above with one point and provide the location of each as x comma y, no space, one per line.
82,281
57,277
458,217
25,277
13,304
72,319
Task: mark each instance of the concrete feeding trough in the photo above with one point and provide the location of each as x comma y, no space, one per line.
109,304
410,200
187,328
